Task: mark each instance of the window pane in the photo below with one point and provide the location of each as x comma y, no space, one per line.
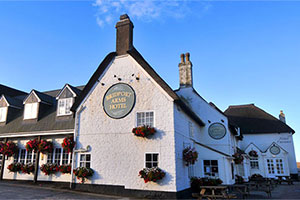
214,162
155,157
82,157
57,156
49,157
148,157
148,165
88,157
206,162
29,157
145,118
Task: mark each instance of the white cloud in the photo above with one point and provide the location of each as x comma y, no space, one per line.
146,10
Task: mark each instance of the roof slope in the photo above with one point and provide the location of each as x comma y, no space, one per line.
143,63
47,122
253,120
10,91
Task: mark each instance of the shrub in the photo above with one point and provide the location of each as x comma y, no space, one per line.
15,167
68,144
45,147
239,179
83,173
143,131
32,145
27,168
49,168
238,158
190,156
152,174
65,169
197,182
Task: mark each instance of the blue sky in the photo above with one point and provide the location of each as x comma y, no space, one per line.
242,51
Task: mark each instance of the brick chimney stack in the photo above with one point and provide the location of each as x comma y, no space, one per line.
282,116
124,35
185,71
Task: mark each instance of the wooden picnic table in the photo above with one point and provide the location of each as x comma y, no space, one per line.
260,186
214,192
242,189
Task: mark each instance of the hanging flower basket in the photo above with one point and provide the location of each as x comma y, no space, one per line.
190,156
45,147
32,145
152,174
8,149
27,168
65,169
49,168
238,158
83,173
143,131
68,144
253,154
15,167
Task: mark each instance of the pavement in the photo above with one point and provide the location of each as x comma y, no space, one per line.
17,190
14,190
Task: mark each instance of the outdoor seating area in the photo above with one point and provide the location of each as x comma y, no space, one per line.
239,190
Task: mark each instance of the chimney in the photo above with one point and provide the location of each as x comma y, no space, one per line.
124,35
185,71
282,116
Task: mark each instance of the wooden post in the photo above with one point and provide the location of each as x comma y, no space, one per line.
36,165
2,163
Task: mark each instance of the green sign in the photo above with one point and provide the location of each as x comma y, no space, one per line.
217,131
119,100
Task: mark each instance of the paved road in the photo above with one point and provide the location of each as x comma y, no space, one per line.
22,191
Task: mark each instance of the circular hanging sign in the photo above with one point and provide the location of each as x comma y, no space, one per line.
217,131
118,100
275,150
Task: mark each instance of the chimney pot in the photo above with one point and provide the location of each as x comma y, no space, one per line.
282,116
187,55
124,16
182,58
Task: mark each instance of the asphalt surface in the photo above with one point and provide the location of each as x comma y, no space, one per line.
22,191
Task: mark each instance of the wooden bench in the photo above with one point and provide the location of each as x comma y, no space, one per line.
214,192
242,189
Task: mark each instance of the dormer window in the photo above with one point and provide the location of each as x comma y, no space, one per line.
64,106
3,114
31,111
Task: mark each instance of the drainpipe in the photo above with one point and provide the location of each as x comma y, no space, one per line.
2,163
37,164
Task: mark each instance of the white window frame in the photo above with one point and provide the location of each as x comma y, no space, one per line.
210,176
85,161
18,157
32,115
53,153
3,114
144,111
65,111
252,161
158,155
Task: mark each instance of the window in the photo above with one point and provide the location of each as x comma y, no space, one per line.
64,106
151,160
254,163
270,163
85,160
57,155
3,113
145,118
191,129
211,168
50,157
31,111
22,156
65,157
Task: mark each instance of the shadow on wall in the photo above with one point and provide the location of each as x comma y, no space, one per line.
166,180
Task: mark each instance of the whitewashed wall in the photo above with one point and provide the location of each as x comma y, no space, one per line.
117,155
182,140
263,141
207,113
21,142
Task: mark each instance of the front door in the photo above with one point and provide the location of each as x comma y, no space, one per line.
275,166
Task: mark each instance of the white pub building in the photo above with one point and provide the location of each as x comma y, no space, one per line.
126,93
